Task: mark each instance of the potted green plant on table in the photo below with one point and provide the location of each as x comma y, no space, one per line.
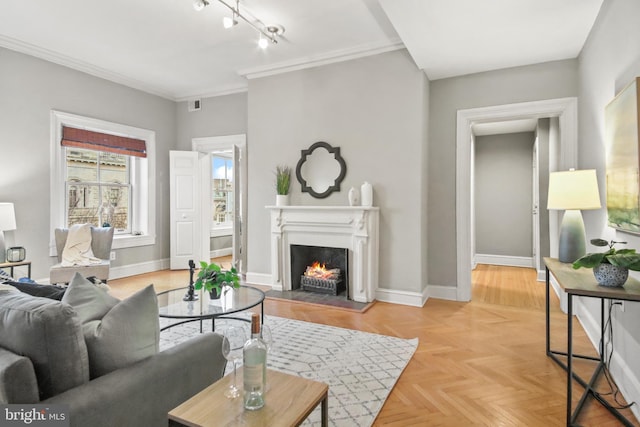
283,181
212,278
611,267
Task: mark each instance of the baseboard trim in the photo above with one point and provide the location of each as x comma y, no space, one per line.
414,299
221,252
259,279
509,261
134,269
449,293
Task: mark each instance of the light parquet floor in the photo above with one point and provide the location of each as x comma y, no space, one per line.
481,363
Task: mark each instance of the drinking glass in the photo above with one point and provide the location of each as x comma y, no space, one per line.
267,337
234,338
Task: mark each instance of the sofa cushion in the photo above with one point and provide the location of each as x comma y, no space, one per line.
128,332
49,333
18,383
89,301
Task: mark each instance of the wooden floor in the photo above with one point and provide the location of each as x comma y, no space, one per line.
481,363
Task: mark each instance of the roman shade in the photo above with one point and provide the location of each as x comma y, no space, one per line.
81,138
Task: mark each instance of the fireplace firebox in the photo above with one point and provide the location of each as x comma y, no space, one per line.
320,269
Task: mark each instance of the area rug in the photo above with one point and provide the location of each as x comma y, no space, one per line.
360,368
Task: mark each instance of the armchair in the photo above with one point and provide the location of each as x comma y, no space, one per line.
101,241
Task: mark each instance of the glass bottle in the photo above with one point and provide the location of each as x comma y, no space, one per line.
254,359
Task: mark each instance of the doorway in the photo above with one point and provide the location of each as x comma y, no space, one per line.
565,109
226,181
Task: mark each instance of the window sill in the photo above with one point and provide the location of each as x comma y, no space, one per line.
129,241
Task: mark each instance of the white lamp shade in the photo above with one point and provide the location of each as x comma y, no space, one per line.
573,190
7,217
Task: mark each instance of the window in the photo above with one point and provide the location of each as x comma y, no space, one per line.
222,191
98,182
98,189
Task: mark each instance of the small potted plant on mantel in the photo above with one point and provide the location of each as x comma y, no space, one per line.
610,268
212,278
283,181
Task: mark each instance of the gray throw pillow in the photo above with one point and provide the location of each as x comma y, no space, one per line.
128,333
89,301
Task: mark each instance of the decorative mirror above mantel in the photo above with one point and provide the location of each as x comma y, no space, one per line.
320,170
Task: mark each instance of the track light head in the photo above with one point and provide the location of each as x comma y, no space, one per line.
200,4
228,22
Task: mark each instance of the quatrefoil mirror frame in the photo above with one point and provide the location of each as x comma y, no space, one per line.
309,187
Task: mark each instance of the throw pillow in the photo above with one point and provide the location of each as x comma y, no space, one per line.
128,333
36,290
89,301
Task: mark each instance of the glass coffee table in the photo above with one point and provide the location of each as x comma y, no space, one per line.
171,305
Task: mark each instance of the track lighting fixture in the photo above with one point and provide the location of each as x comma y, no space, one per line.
267,33
200,4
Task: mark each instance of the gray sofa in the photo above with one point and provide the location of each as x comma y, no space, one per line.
44,359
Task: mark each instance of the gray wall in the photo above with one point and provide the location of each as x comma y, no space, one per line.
503,194
30,88
610,59
550,80
373,109
219,116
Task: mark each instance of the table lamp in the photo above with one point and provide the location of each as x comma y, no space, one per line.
7,222
573,191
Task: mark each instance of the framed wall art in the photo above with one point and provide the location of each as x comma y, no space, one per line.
622,160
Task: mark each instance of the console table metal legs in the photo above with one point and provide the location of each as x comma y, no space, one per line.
589,388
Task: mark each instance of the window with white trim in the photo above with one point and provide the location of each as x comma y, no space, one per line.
102,173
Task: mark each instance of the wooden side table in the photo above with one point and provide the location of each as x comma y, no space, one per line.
11,265
288,402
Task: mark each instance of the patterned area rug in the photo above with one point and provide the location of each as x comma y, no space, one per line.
360,368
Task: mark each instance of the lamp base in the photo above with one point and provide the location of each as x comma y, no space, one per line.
572,237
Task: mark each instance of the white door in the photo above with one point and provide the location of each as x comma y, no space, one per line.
185,217
535,208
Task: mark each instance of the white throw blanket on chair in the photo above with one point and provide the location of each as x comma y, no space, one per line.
77,249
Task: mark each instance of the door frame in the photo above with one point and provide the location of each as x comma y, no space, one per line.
228,142
566,109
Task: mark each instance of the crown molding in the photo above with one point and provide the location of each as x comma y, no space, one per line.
323,59
66,61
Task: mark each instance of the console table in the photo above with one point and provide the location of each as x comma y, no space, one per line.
582,283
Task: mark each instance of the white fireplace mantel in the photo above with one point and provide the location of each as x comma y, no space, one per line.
354,228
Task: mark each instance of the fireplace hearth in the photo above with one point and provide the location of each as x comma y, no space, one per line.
319,269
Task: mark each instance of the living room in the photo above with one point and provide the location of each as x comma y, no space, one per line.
396,129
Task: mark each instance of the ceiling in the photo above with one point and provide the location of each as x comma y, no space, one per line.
167,48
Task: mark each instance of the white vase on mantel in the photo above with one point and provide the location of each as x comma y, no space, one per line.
354,197
366,194
282,200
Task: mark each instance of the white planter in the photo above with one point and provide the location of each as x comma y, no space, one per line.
282,200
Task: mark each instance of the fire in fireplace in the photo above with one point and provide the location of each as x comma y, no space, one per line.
319,269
